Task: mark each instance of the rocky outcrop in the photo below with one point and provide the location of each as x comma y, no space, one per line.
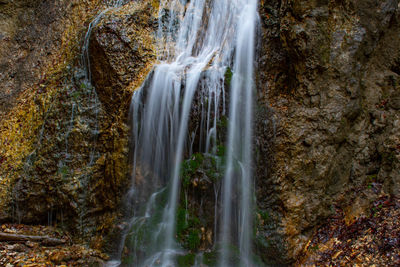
327,116
64,154
122,53
32,35
40,42
328,119
370,240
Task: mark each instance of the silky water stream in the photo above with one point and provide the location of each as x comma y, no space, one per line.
205,77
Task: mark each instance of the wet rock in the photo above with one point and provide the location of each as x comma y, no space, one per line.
63,153
31,37
328,85
40,40
122,52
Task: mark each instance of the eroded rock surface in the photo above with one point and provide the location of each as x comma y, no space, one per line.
64,153
328,120
32,35
327,115
122,53
40,42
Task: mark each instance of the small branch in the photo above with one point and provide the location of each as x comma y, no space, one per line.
45,240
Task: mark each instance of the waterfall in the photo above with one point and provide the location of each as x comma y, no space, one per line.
239,160
199,42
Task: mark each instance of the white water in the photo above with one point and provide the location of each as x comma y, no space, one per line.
239,140
198,41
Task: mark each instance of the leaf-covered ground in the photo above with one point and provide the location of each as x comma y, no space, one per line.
372,240
29,253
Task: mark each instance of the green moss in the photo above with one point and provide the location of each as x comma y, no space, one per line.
193,239
228,76
371,178
187,229
127,261
211,165
265,215
63,170
221,150
223,122
84,86
186,260
210,258
181,224
189,168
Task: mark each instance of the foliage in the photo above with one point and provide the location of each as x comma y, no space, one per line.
189,168
264,215
193,239
372,240
37,254
186,260
187,229
228,76
210,258
203,164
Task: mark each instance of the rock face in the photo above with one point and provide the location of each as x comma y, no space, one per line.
40,41
122,53
64,153
327,117
32,35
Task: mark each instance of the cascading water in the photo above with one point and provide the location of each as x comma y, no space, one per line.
239,160
200,41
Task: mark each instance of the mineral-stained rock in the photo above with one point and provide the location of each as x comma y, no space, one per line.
122,52
327,116
33,35
327,90
64,152
39,42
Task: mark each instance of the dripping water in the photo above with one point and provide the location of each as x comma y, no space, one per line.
85,82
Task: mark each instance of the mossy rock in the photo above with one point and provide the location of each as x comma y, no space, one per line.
186,260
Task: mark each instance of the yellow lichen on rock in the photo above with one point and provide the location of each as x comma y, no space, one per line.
20,127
